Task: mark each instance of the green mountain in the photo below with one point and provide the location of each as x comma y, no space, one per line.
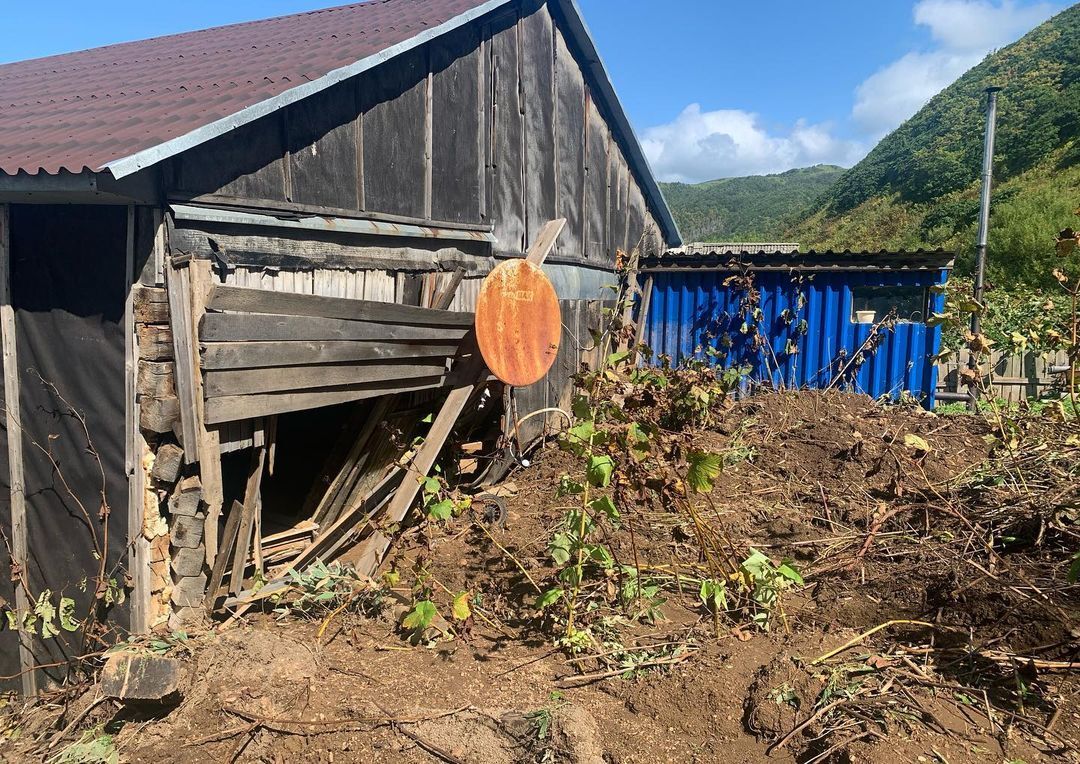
919,187
756,208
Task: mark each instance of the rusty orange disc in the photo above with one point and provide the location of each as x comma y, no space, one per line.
518,324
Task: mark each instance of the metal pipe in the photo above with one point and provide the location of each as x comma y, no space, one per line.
984,227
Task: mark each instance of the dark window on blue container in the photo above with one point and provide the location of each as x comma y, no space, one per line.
870,304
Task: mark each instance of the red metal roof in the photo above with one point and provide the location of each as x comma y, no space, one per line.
87,109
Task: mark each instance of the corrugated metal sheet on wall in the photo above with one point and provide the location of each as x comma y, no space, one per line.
690,311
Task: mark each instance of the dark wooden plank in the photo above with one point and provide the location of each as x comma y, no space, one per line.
250,327
570,148
394,135
247,162
249,518
455,119
635,215
506,184
596,189
235,407
256,355
247,300
248,381
538,86
178,288
322,148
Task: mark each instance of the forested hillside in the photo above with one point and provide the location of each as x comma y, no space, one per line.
756,208
919,186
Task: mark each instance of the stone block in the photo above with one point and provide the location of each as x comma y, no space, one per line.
187,532
141,677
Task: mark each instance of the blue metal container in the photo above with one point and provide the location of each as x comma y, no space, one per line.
793,320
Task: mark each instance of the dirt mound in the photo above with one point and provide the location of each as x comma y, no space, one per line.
933,621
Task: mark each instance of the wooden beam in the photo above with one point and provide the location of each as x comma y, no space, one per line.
178,286
231,408
473,373
221,559
252,506
201,278
220,356
643,311
245,300
138,547
252,327
19,543
295,378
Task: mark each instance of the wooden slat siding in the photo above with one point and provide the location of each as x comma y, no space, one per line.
379,286
483,121
232,408
243,300
270,380
178,286
596,190
635,216
134,448
359,99
456,127
253,327
506,184
428,137
200,278
247,162
570,147
257,355
322,146
16,484
538,85
394,135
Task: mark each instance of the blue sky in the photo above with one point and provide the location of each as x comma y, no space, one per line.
714,88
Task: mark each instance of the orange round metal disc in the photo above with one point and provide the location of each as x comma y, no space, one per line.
518,324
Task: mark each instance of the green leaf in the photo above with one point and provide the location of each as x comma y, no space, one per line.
704,469
421,616
432,485
44,609
605,506
581,408
441,510
599,554
616,358
548,598
559,549
68,622
790,572
460,607
580,437
599,470
569,487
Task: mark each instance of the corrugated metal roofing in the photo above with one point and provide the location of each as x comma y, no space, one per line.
91,108
901,260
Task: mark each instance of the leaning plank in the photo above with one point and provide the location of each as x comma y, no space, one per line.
201,278
250,327
248,518
472,374
179,290
242,300
248,381
354,461
217,575
231,408
258,355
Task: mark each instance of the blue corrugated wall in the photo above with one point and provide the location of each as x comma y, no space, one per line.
691,310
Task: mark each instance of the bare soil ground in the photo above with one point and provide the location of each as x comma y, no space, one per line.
969,557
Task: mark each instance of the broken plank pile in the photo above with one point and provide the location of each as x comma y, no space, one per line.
265,353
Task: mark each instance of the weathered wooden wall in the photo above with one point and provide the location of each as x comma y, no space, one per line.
495,124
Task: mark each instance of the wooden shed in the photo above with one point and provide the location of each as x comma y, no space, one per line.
221,260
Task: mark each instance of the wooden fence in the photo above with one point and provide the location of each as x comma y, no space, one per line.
1016,376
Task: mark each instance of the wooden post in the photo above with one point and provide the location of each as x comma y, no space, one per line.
209,441
15,456
138,547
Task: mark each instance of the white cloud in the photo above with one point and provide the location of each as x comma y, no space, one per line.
965,31
702,145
